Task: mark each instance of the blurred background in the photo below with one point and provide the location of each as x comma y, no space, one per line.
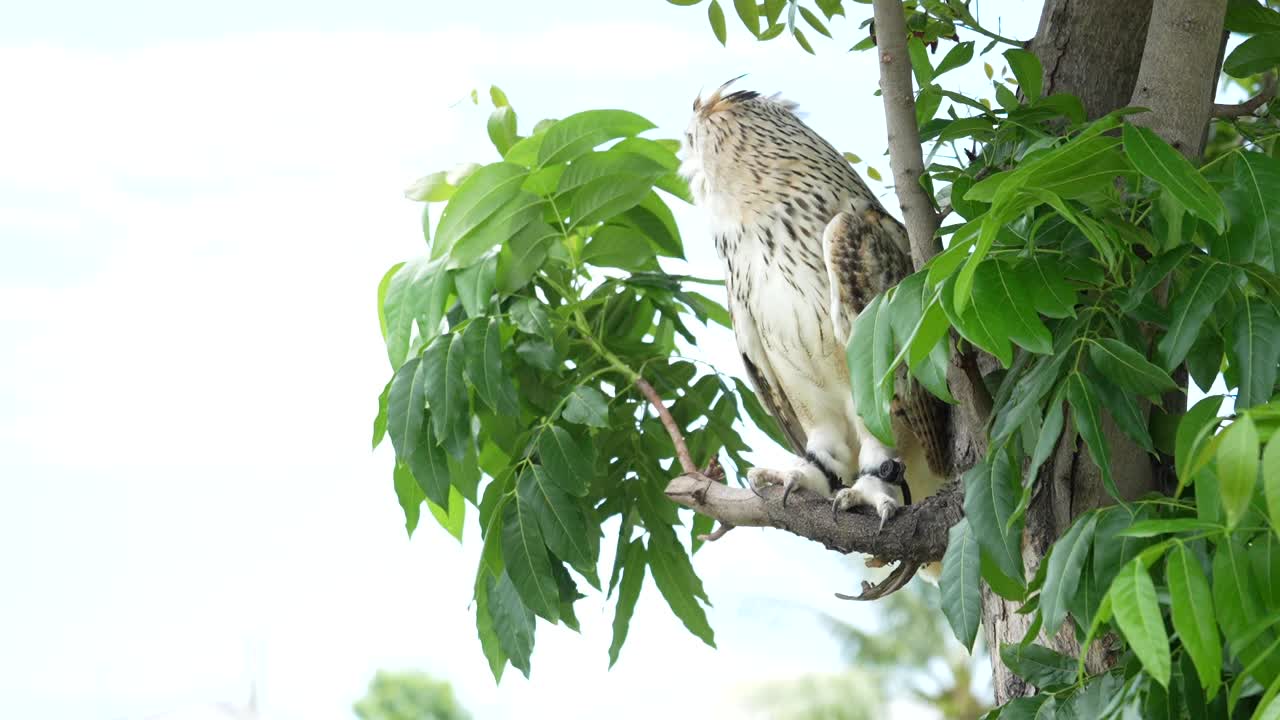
196,204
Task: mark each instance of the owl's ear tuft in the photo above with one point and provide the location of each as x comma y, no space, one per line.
697,102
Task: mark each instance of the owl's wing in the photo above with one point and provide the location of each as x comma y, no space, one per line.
865,256
762,375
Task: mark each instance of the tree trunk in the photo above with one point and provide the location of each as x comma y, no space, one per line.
1098,50
1092,49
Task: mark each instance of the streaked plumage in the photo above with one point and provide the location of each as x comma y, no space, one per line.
806,246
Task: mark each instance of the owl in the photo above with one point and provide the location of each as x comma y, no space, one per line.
806,246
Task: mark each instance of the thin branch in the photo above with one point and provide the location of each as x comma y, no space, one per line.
705,478
1248,107
916,534
905,154
677,437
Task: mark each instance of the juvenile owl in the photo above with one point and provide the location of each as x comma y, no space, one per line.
806,246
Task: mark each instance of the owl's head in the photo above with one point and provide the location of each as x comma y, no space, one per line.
725,138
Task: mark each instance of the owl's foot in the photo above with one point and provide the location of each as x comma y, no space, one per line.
872,489
760,478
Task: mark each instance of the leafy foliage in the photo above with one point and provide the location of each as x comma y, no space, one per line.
515,344
1098,266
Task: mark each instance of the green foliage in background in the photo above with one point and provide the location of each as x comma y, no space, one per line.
1094,262
409,696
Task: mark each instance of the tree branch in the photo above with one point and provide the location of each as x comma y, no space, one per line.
906,157
677,437
1248,107
916,534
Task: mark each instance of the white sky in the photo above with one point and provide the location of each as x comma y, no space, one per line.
196,204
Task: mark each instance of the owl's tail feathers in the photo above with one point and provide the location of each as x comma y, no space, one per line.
926,417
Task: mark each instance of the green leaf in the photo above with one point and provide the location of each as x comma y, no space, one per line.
482,208
563,525
1026,68
1247,16
679,584
475,285
1194,427
446,393
587,406
525,555
1193,616
927,103
489,642
749,14
1157,160
452,519
868,355
919,62
958,56
1123,406
431,188
802,41
416,292
1039,666
1031,388
1066,562
1254,350
961,584
484,367
430,467
1127,368
989,501
603,198
814,22
406,406
1168,526
579,133
539,353
380,420
684,3
1054,295
522,256
382,299
1271,478
1086,412
568,463
628,594
409,495
1237,457
513,622
1258,53
1137,613
531,317
502,128
715,14
1252,198
1189,309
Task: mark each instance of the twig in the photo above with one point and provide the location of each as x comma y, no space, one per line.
905,155
677,437
713,469
1248,107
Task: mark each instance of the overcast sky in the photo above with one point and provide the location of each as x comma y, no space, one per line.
196,204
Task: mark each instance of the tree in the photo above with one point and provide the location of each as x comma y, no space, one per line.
1094,260
409,696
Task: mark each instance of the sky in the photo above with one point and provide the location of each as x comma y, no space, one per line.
197,201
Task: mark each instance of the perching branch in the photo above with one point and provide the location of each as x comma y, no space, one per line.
906,157
916,534
1250,106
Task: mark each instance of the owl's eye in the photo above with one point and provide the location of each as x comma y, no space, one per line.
688,138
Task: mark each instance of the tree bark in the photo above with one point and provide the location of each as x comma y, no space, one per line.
1103,52
1184,38
1092,49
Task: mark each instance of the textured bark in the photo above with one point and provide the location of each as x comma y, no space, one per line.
1185,37
1102,52
906,157
1092,49
915,534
